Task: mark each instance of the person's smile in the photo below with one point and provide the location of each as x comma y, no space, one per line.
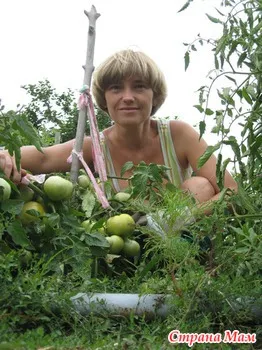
128,109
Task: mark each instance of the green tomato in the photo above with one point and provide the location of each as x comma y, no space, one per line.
58,188
5,190
122,196
102,230
26,193
116,244
121,225
87,224
131,248
27,218
83,181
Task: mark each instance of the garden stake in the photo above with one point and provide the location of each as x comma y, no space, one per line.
92,16
86,108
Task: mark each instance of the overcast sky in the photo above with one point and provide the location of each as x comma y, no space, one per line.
48,40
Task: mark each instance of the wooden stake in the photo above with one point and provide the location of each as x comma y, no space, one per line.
89,68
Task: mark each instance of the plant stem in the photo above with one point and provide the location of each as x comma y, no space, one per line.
36,189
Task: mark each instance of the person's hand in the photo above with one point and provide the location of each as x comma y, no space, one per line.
8,166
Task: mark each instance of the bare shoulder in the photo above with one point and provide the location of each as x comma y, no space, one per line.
181,129
184,136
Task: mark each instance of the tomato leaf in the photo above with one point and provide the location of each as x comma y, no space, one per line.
27,130
213,19
202,128
127,166
209,111
12,206
96,239
246,96
185,6
52,219
208,153
18,234
187,60
88,202
199,108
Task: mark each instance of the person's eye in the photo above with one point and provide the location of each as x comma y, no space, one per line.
114,87
140,86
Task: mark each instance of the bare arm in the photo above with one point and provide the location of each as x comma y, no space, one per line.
53,159
189,149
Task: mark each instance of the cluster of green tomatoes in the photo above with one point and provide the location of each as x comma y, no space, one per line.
117,229
55,188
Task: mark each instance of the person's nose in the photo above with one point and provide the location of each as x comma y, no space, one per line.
128,95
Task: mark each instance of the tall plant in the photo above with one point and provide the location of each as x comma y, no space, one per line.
238,68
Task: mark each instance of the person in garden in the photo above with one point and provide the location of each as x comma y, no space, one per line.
130,87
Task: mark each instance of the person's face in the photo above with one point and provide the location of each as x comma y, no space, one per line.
129,101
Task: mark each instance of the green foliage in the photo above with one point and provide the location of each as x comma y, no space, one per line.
16,131
146,181
50,111
238,63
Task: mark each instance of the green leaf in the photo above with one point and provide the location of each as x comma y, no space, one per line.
207,154
187,60
17,157
224,166
18,234
241,58
185,6
152,263
52,219
127,166
88,202
242,250
96,239
199,108
213,19
221,43
209,111
220,12
12,206
256,144
202,128
257,28
246,96
155,173
218,171
216,62
27,130
231,79
215,130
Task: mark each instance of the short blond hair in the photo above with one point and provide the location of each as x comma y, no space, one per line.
125,64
